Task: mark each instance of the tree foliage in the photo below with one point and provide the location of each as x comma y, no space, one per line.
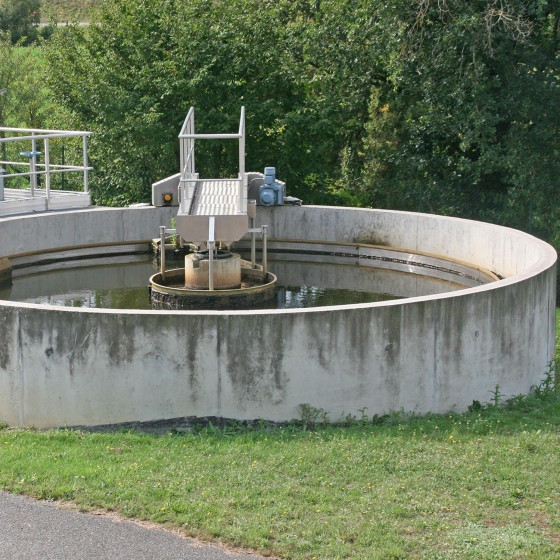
451,102
471,113
20,18
21,75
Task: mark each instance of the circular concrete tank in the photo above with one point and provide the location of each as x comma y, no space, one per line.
69,366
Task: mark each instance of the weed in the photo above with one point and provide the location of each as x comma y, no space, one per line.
475,406
497,396
310,415
173,235
547,387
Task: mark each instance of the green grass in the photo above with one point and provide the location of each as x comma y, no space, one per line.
478,485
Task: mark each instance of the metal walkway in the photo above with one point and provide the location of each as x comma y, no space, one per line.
211,210
217,198
36,199
19,201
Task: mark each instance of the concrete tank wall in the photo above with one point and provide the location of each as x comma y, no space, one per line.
66,366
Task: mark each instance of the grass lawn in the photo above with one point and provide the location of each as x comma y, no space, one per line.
480,485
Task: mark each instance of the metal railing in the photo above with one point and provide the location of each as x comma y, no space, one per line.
187,138
37,136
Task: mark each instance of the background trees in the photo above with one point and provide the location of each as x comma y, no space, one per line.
22,75
469,121
20,18
449,106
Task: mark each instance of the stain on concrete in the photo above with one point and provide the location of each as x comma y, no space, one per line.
254,352
371,240
6,338
118,333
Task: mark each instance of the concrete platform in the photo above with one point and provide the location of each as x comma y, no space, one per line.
20,201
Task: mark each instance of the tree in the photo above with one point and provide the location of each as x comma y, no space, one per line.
20,18
470,117
448,106
132,76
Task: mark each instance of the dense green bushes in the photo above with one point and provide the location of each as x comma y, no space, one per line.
448,106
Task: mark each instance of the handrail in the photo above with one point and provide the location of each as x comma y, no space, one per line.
46,131
44,135
212,136
190,115
70,168
188,135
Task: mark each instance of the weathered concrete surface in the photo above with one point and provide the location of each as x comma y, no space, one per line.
499,249
5,273
73,366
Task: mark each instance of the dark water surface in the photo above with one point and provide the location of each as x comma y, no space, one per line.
125,286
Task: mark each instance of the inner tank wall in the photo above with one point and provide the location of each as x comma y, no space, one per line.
65,366
496,248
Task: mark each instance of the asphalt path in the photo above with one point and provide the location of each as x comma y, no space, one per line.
32,529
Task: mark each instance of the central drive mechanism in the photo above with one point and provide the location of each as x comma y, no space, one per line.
226,270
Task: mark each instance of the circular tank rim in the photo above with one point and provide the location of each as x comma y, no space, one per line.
424,354
547,258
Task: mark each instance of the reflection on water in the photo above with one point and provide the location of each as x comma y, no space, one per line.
291,297
125,286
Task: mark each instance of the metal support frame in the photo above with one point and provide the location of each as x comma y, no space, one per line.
265,250
187,138
211,248
253,244
264,231
162,252
163,231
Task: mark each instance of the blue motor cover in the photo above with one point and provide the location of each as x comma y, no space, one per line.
270,193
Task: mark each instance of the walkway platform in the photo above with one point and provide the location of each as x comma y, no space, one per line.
211,210
20,201
215,198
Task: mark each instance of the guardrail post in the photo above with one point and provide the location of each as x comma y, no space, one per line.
162,252
47,173
2,173
34,178
86,173
242,177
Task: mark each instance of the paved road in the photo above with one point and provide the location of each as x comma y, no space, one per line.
34,530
